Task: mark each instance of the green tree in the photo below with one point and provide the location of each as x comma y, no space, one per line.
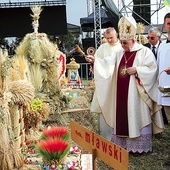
68,40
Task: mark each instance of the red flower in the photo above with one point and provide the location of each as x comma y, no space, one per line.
53,148
36,141
59,132
28,142
53,145
20,106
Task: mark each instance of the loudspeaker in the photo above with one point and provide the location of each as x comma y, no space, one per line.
142,11
88,42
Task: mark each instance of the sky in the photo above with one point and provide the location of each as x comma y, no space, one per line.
76,9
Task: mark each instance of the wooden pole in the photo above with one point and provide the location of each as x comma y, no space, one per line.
94,158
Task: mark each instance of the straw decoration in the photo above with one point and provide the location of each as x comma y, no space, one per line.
18,158
36,12
140,30
36,75
5,161
14,74
22,91
5,66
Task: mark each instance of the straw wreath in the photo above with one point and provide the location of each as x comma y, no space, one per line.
22,91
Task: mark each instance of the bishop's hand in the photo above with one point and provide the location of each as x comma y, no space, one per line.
131,70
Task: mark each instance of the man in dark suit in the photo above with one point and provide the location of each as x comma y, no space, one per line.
154,40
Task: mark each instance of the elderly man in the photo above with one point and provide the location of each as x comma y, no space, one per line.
126,92
154,39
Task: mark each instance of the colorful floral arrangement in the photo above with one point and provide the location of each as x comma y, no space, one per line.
35,112
53,145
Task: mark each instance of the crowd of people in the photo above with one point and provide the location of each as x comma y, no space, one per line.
127,74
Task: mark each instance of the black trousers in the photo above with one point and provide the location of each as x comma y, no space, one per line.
164,116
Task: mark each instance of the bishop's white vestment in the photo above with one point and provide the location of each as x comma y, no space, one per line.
143,110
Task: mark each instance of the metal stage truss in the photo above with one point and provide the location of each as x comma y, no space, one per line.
30,4
125,8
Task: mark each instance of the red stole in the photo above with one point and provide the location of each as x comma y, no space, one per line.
122,95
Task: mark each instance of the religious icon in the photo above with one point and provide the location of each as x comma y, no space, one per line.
73,75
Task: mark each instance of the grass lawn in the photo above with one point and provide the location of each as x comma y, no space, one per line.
159,159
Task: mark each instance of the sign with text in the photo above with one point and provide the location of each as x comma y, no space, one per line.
110,153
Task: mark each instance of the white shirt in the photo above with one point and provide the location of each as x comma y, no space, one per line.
163,61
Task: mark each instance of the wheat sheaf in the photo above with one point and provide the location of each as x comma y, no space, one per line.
22,91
